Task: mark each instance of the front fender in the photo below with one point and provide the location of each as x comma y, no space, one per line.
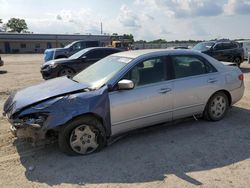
75,105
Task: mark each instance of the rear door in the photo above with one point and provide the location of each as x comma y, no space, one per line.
94,55
195,81
220,52
150,102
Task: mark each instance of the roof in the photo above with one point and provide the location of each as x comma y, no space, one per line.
137,53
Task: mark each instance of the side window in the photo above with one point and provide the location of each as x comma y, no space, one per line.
148,72
235,45
108,52
230,45
77,46
219,46
91,44
94,54
83,45
185,66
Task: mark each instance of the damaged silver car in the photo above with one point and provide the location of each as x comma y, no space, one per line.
123,92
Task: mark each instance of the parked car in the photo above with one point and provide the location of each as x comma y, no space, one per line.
75,63
229,51
123,92
67,51
245,44
1,62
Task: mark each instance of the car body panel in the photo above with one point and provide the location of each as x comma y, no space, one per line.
154,107
191,94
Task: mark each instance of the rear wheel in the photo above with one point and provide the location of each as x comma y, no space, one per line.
216,107
237,60
83,136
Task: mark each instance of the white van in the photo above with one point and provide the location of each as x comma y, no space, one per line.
246,46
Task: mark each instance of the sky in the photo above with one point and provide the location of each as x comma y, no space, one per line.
145,19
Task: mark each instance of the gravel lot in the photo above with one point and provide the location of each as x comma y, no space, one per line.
184,154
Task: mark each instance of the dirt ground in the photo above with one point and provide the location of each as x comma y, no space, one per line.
184,154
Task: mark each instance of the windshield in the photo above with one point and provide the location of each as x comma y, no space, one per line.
79,54
99,73
70,44
204,46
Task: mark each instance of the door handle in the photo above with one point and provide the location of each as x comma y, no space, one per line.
212,80
165,90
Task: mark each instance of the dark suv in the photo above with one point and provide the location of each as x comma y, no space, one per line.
229,51
75,63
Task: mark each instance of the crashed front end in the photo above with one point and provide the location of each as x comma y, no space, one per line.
25,125
40,119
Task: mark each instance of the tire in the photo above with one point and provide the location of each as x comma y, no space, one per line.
237,60
91,136
216,107
66,72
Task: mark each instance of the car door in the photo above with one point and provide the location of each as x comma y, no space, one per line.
150,101
195,81
219,52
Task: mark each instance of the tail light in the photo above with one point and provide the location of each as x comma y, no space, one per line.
241,77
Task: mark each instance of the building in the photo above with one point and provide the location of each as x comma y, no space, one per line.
37,43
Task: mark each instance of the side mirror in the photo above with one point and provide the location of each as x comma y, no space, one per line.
125,84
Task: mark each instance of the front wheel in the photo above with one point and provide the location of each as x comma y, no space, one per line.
83,136
216,107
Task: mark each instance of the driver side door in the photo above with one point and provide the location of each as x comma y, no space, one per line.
148,103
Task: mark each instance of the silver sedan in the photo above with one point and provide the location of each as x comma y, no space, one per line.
123,92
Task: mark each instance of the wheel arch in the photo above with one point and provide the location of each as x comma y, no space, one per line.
227,93
65,67
89,114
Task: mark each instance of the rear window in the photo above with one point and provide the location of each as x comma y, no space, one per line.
185,66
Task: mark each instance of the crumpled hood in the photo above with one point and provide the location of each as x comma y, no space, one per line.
35,94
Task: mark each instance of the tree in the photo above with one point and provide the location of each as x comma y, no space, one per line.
114,37
1,21
17,25
128,37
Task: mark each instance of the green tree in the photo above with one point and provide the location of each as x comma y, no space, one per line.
114,37
128,37
17,25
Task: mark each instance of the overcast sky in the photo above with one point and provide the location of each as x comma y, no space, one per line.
145,19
